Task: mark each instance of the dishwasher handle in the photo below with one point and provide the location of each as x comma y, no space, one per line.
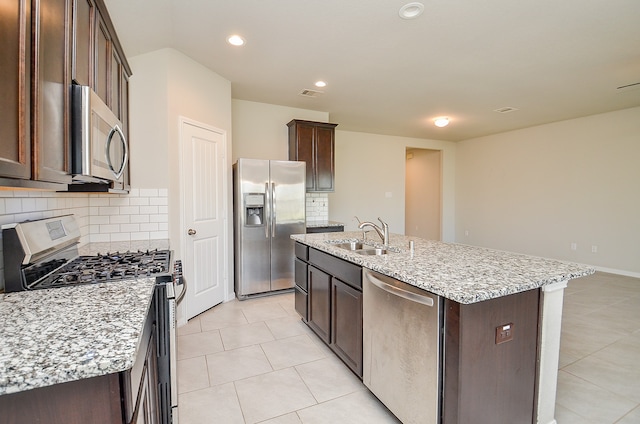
399,291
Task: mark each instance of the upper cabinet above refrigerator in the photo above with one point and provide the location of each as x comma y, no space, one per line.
314,143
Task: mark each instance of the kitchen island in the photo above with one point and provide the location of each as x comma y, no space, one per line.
61,345
480,287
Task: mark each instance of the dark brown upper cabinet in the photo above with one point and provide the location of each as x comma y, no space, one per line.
51,101
102,46
15,86
314,143
45,46
34,109
84,12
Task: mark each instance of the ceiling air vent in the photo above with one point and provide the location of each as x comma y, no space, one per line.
505,109
628,87
310,93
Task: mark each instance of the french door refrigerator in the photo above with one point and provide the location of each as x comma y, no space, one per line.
269,206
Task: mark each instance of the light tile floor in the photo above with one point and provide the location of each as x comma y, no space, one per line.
255,362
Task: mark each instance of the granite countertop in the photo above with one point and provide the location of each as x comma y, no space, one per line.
318,224
64,334
463,273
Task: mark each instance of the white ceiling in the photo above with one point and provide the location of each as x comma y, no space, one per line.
550,59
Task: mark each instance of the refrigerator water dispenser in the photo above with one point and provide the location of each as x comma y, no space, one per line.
253,209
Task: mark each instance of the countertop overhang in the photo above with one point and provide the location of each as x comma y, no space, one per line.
319,224
69,333
462,273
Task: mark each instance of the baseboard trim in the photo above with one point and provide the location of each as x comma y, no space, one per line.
617,271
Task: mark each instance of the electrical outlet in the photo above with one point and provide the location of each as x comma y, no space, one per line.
504,333
594,249
574,246
466,233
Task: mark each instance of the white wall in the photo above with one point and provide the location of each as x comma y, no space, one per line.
260,130
371,167
148,116
367,165
165,86
540,189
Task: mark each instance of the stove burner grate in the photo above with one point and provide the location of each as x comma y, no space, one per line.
108,267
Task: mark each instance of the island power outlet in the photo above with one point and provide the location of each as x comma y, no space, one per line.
504,333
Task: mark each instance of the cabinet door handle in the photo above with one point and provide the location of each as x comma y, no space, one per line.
191,232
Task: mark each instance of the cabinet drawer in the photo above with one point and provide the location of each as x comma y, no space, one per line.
301,306
346,271
302,251
300,274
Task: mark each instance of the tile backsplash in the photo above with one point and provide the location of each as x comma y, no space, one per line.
317,207
140,215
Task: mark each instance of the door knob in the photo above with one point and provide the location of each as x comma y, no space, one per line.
191,232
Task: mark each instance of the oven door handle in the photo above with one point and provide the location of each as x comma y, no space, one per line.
182,292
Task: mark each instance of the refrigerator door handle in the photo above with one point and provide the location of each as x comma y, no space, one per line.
267,207
273,209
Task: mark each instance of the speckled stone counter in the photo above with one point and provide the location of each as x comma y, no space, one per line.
70,333
320,224
465,274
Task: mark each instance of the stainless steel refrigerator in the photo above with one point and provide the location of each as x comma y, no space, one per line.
269,206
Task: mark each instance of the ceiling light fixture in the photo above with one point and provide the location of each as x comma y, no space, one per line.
441,122
236,40
411,10
321,84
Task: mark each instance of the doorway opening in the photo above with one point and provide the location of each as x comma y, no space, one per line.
423,193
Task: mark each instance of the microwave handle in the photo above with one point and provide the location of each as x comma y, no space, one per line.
114,130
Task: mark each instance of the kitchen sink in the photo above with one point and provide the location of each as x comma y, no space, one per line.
353,245
375,252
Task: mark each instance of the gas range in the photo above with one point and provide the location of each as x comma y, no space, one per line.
43,254
96,269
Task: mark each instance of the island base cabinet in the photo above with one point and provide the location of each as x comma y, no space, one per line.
334,302
486,380
346,324
319,313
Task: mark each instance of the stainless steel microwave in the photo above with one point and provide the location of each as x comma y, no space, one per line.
100,151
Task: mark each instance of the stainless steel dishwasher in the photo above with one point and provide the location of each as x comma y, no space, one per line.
401,347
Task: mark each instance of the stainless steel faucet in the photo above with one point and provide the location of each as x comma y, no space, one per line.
382,232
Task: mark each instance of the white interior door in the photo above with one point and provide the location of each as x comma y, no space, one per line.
204,187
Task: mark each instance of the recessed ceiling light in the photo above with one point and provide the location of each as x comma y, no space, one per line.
441,122
321,84
236,40
411,10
